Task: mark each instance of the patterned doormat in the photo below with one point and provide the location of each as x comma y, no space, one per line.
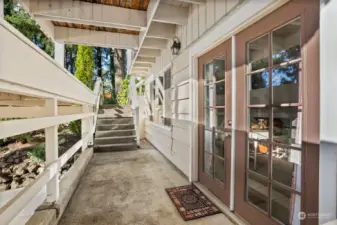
191,203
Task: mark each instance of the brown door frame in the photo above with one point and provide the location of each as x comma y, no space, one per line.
221,191
308,10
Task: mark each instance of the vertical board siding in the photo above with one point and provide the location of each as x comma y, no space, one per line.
174,143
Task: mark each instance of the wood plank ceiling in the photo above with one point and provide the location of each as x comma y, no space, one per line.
96,28
131,4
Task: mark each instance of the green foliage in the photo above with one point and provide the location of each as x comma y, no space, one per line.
22,21
122,96
75,127
38,153
85,65
109,101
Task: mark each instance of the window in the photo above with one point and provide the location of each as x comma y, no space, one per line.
274,121
167,99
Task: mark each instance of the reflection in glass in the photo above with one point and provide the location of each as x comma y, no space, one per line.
220,94
219,169
285,205
208,164
257,191
220,118
208,95
219,144
208,73
285,84
286,167
286,42
259,123
258,53
208,142
219,69
287,125
258,157
258,85
208,118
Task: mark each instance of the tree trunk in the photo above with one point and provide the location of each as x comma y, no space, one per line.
99,62
112,72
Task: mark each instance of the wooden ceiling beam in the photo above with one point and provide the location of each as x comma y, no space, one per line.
144,59
96,38
149,52
89,14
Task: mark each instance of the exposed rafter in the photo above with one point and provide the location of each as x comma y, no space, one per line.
154,43
149,52
194,1
142,65
161,30
144,59
89,13
171,14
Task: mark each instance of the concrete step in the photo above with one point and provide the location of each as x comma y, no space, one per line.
114,140
107,121
114,133
115,106
115,147
115,127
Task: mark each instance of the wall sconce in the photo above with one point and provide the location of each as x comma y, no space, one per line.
176,46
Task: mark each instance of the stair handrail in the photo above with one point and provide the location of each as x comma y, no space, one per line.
98,90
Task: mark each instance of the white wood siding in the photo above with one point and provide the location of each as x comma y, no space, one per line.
174,142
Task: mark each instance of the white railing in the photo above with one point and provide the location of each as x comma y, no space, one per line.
32,74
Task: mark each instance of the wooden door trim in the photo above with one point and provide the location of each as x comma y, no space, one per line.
224,49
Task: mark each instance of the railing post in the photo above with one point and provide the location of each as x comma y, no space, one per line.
85,127
51,150
2,10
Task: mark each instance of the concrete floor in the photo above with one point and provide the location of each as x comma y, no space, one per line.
128,188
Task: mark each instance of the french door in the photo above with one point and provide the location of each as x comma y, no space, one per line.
277,113
215,120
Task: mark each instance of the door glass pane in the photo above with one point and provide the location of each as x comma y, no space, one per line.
258,86
219,169
287,125
219,69
285,84
208,142
219,122
208,95
220,94
219,145
208,118
257,191
208,163
287,166
258,52
286,42
258,157
259,123
285,205
208,73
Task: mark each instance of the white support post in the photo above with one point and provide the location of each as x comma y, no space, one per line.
85,127
2,10
59,52
51,150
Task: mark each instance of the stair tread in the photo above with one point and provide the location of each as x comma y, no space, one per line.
114,145
115,137
107,131
116,124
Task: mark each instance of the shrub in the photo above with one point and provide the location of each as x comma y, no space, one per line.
37,154
75,127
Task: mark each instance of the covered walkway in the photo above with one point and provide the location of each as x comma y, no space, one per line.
128,187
